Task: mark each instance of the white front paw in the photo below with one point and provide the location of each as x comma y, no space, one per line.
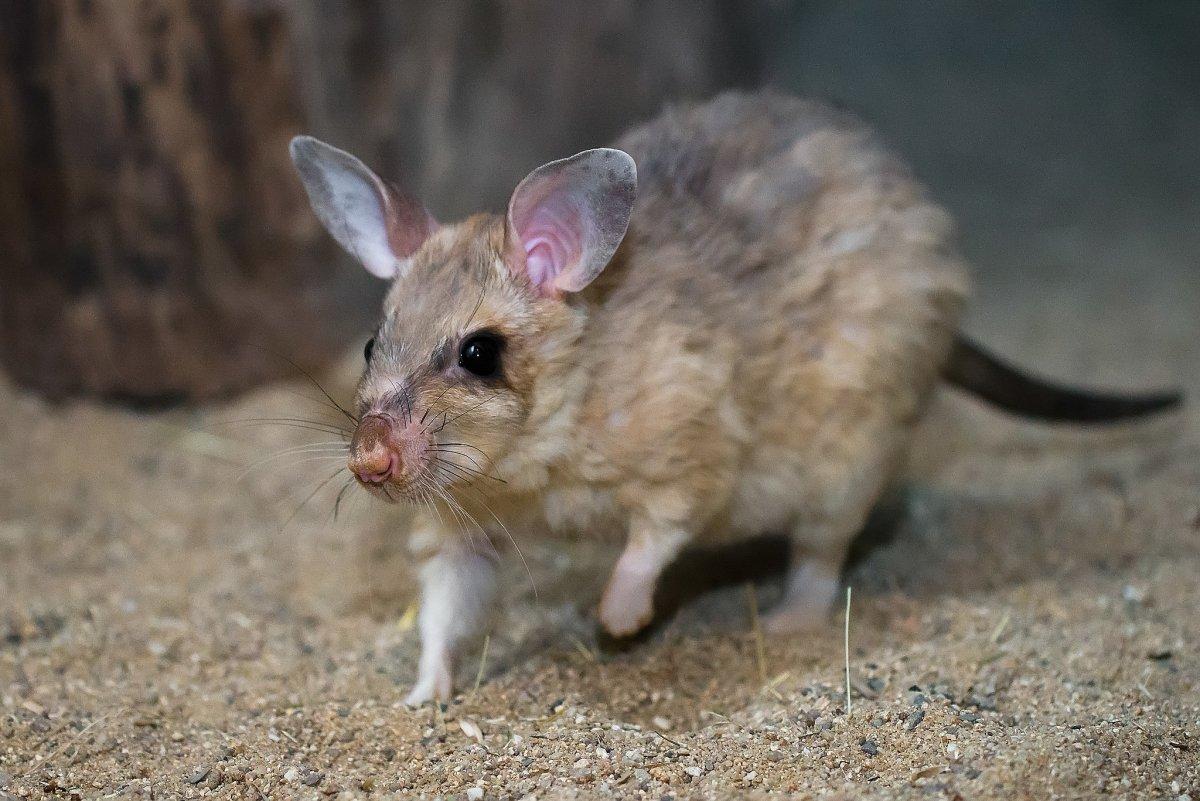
434,682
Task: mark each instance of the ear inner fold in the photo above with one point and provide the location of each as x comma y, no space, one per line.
568,217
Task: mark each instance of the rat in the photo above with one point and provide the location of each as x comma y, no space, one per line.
729,324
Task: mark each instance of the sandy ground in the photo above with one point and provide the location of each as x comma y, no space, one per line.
176,621
173,628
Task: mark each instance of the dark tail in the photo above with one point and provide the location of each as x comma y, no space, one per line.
980,373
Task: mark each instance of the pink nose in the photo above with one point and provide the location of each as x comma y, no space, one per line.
374,473
374,456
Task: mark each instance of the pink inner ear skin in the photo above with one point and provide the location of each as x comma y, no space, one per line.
539,262
552,242
552,239
408,223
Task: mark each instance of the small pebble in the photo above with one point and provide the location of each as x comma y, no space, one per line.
987,702
914,719
1132,594
869,747
198,775
474,793
4,779
312,778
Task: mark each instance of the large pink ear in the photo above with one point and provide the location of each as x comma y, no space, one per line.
377,224
566,219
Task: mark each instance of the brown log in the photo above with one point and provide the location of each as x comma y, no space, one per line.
461,98
156,243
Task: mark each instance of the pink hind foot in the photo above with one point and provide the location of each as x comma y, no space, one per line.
812,586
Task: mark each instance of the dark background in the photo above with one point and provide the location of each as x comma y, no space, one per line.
159,249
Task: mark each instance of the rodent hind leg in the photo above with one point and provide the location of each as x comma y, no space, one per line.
811,588
820,541
457,586
627,605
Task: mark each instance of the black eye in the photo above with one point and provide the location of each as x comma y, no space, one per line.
369,348
480,354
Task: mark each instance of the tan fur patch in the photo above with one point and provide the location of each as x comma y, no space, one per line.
754,357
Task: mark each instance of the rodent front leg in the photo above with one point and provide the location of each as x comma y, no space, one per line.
457,585
627,605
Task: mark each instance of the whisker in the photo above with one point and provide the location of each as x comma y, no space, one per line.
455,473
462,470
478,304
311,495
443,449
477,470
337,426
401,396
468,411
324,457
472,447
320,401
337,502
454,504
410,404
294,422
455,510
449,499
317,384
441,395
332,445
513,540
433,506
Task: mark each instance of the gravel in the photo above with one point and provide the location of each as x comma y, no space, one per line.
1026,630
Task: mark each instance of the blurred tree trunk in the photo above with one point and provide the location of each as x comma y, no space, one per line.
461,98
156,244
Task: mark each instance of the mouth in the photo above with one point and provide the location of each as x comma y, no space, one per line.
387,457
402,484
387,491
434,477
399,461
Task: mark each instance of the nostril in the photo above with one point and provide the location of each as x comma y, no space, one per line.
373,455
375,471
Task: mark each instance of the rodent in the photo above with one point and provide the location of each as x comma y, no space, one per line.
726,325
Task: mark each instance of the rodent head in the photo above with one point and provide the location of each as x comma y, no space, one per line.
478,320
